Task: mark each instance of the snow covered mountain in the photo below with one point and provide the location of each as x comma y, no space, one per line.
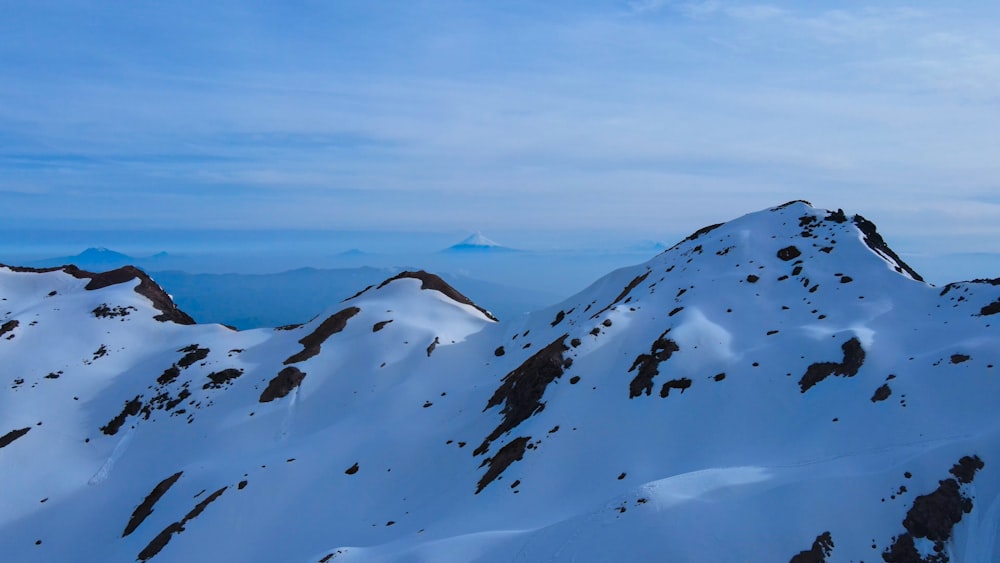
781,387
478,242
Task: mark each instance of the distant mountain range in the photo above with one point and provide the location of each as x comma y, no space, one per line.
99,258
267,300
781,387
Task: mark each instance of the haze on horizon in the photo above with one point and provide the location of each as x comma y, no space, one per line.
563,125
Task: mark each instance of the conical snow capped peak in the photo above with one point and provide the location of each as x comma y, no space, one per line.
479,239
478,242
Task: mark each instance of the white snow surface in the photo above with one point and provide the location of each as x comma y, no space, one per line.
371,457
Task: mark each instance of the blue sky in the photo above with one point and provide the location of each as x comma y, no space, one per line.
643,117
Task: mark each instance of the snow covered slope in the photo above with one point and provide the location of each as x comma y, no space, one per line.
781,387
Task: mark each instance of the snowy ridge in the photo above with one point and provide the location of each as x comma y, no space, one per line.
779,387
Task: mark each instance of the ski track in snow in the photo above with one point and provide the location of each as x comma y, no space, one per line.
287,420
105,471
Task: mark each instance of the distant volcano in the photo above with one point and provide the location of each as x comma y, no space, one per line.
100,258
478,242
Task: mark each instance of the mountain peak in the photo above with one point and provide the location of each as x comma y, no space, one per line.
479,239
429,281
478,242
101,251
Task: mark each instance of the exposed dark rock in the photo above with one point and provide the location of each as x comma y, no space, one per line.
145,508
522,389
168,375
131,409
352,469
169,404
312,342
934,515
682,384
624,293
821,549
380,325
789,253
959,358
200,507
846,279
790,203
878,245
9,437
431,281
194,354
675,311
696,235
837,216
499,351
432,346
575,342
8,326
719,376
882,393
101,352
559,318
219,378
649,364
103,311
161,539
991,309
854,357
282,384
965,469
511,452
752,278
359,294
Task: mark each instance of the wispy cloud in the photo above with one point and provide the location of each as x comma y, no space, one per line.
751,12
358,116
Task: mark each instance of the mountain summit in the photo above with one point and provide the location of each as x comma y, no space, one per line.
478,242
781,387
